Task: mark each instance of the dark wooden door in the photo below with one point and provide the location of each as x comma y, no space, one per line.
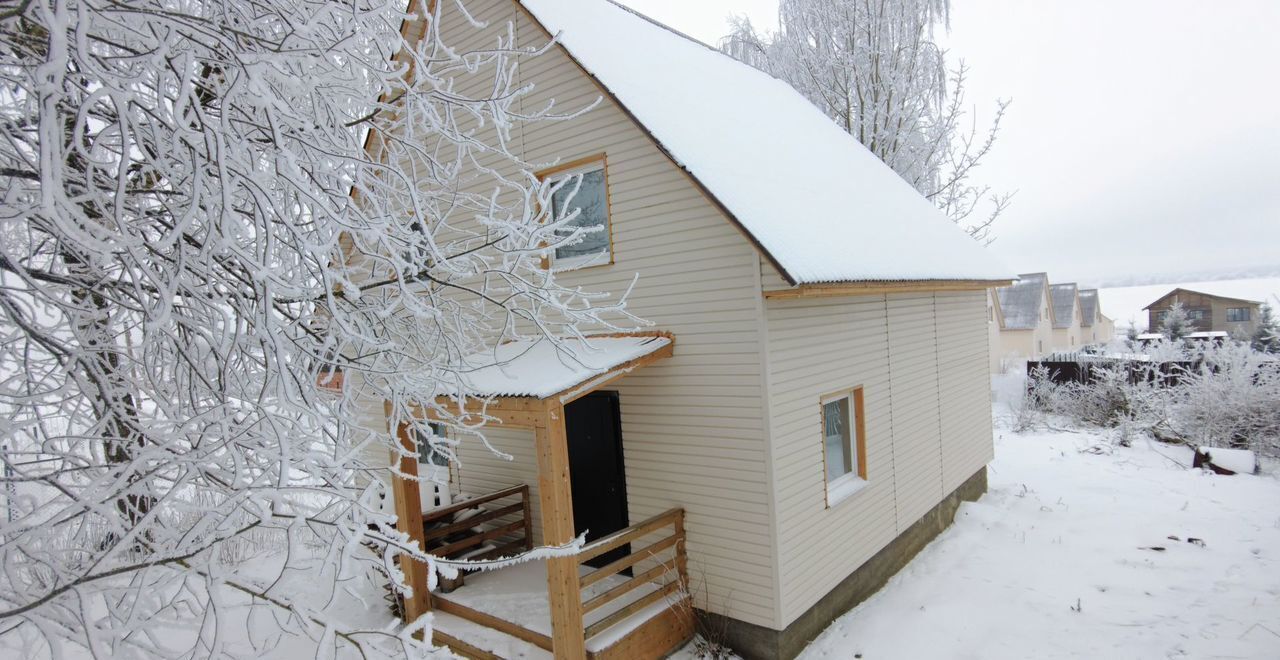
593,426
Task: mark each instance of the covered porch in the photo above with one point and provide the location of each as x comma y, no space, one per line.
622,595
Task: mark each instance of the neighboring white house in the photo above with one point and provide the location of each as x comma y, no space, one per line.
824,406
1032,318
1095,327
1023,315
1066,316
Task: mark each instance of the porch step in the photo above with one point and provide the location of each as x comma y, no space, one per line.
483,639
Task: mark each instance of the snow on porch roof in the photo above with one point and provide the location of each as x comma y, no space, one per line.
817,202
540,368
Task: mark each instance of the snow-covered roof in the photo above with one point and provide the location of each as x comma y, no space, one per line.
1150,336
541,368
1088,306
1020,301
819,204
1208,334
1064,304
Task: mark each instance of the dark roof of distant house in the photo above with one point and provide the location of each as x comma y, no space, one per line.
1064,304
1020,302
1201,293
1088,306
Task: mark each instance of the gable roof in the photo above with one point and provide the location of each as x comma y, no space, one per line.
1064,304
1201,293
1089,307
815,201
1020,302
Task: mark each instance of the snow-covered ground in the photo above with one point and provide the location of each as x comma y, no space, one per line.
1086,550
1125,303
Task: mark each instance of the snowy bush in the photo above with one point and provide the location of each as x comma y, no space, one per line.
1227,396
1232,400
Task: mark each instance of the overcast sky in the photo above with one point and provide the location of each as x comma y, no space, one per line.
1144,135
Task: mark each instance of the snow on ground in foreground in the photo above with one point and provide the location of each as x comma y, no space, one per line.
1061,527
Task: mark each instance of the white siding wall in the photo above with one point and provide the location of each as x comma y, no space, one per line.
698,429
922,361
770,278
993,334
693,425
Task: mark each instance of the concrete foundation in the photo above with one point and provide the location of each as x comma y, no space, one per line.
754,642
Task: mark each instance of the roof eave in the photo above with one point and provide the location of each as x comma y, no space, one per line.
877,287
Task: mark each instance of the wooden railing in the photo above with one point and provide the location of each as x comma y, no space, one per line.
509,524
669,571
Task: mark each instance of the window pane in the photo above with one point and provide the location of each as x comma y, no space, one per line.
428,455
590,200
836,428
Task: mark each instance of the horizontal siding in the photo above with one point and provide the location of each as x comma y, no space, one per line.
691,425
922,361
913,367
770,278
817,347
964,388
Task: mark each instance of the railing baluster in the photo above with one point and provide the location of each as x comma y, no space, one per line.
674,540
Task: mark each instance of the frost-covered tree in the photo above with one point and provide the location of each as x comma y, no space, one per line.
208,206
1176,324
1266,337
875,68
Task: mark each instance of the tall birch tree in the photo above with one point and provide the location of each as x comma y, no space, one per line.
875,68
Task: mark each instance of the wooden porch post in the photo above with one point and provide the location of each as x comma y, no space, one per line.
409,521
563,591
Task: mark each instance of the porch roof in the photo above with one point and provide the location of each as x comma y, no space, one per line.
564,368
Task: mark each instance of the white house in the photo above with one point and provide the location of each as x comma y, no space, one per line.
814,404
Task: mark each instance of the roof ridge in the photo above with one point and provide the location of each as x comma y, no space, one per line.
704,141
668,28
717,51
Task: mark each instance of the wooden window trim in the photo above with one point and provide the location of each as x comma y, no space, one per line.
849,484
583,163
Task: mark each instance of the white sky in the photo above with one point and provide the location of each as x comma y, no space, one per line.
1144,135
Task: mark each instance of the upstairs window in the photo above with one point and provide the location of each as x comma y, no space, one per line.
1237,314
584,189
843,444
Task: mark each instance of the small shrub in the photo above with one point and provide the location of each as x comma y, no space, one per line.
1231,398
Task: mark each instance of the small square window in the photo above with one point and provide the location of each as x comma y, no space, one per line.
584,190
843,444
427,454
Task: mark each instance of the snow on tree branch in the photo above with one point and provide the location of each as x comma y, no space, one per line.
207,207
875,69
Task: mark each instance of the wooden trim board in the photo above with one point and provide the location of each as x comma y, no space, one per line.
870,288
